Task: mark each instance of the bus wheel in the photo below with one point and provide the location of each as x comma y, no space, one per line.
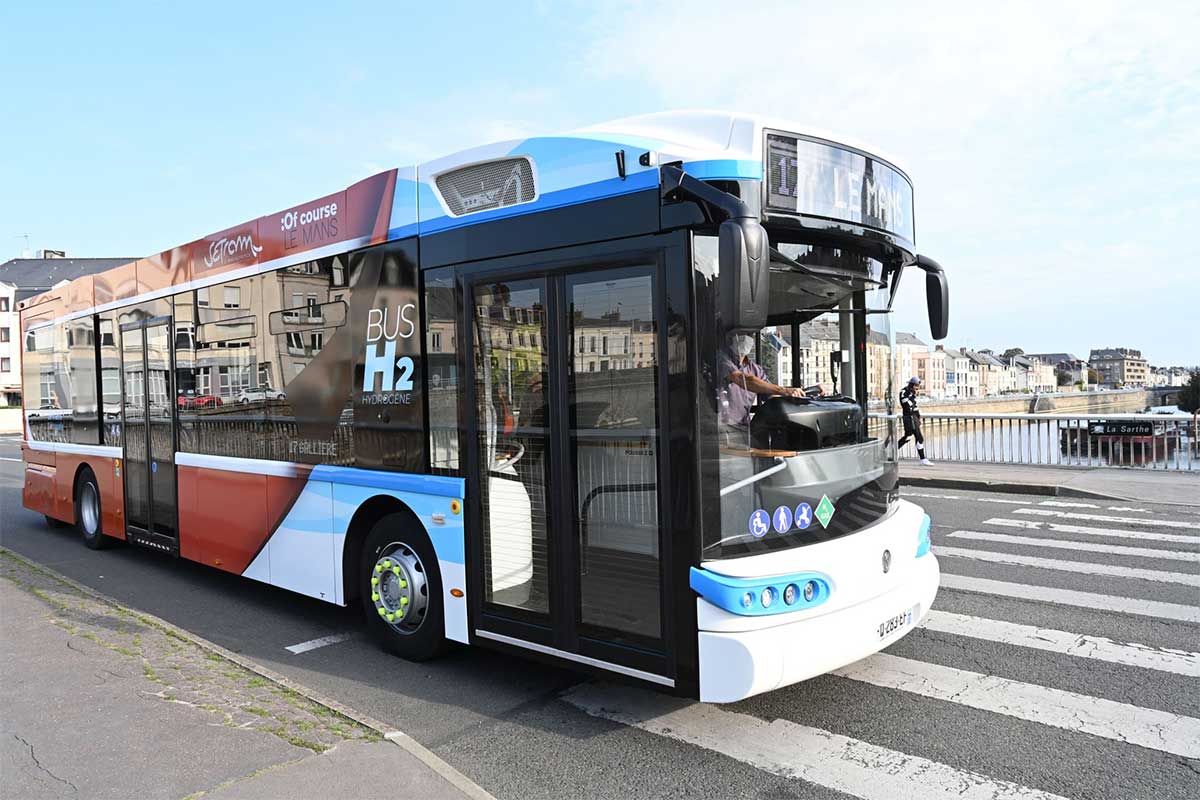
87,511
402,589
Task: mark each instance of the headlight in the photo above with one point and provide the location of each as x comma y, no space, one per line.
768,596
790,594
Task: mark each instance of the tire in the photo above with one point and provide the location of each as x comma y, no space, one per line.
413,594
88,516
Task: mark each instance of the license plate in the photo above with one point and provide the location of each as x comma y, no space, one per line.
900,622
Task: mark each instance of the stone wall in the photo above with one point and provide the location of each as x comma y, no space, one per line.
1125,401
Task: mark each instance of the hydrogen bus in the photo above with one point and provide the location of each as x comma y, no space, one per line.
597,398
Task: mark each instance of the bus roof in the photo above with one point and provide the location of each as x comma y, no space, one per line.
543,172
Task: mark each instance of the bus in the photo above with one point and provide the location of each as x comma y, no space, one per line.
598,398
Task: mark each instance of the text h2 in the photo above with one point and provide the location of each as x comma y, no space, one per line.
389,325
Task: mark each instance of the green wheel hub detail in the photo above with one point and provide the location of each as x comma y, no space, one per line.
398,588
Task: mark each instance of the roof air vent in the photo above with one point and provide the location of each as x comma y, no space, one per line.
482,187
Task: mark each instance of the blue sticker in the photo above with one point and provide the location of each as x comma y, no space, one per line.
783,519
154,466
803,516
760,523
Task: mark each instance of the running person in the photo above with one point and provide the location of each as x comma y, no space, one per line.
912,418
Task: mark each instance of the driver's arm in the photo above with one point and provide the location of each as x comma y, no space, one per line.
760,386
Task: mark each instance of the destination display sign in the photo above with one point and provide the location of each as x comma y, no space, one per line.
824,180
1126,428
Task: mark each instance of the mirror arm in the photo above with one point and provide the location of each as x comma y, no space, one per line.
673,182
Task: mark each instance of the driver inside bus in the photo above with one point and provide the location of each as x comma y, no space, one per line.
744,380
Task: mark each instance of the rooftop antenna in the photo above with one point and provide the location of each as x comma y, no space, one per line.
25,253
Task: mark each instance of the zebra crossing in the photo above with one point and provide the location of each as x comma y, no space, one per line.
1062,654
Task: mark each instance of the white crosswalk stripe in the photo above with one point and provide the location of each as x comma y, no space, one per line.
1067,544
786,748
1162,523
1083,567
1157,730
1070,597
1130,654
1037,525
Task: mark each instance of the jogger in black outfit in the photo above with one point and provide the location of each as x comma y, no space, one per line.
912,418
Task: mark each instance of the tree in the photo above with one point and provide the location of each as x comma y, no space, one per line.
1064,377
1013,351
1189,398
1093,376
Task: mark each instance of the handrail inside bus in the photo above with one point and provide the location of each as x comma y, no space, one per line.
780,465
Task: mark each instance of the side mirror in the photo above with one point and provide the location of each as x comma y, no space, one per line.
937,296
744,282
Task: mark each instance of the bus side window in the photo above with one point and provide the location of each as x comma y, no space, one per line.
441,348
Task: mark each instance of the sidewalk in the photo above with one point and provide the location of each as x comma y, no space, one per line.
98,701
1139,485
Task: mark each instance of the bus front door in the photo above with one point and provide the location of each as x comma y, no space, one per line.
568,378
149,416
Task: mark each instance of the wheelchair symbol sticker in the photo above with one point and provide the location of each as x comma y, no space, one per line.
760,523
783,519
803,516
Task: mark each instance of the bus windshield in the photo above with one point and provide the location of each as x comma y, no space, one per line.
794,455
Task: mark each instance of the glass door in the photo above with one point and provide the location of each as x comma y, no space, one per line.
613,442
566,392
149,420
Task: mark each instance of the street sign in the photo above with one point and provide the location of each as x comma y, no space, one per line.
1125,428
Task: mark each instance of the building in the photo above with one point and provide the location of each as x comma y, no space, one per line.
21,278
930,367
1120,366
10,347
908,346
961,380
1075,368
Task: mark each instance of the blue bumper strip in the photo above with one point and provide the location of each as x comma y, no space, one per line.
439,485
744,596
923,541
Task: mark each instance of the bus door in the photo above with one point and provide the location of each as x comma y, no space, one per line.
568,393
148,411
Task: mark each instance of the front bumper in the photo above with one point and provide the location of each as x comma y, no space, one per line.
738,659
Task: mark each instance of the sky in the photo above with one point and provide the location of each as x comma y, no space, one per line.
1054,147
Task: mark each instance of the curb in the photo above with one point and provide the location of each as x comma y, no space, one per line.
390,734
1047,489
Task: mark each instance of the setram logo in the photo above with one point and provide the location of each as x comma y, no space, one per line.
231,249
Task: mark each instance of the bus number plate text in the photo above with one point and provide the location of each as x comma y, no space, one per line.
899,622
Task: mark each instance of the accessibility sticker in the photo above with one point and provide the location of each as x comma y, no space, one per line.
783,519
760,523
804,516
824,511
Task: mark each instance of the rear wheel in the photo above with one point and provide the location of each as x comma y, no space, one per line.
87,512
402,589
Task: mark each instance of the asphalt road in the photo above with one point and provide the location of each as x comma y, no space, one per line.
1062,658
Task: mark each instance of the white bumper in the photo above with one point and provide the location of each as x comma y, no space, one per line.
743,656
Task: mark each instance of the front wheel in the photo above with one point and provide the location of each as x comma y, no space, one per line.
402,589
87,512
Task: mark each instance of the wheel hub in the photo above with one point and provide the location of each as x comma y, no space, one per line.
89,511
398,588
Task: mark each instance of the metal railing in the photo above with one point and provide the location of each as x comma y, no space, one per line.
1147,441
